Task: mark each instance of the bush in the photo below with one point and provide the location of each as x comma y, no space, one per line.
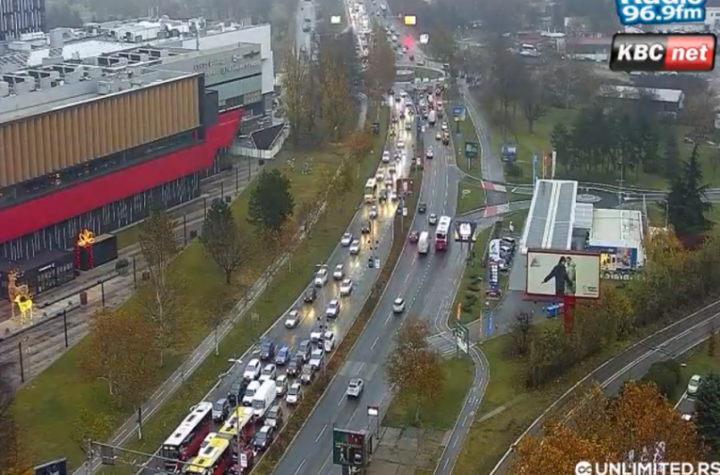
474,287
339,356
663,377
122,264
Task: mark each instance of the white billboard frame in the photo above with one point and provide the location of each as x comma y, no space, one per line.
583,275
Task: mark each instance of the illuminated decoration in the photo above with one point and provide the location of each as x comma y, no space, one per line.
424,38
335,20
85,240
410,20
20,296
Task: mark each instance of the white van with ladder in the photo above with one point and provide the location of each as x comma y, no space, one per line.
423,244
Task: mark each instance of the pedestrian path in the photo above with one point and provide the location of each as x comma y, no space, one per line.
443,343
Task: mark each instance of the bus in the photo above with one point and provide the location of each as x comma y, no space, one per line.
370,190
442,234
185,441
424,243
240,423
214,457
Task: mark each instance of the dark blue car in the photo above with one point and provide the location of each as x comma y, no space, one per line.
283,355
267,350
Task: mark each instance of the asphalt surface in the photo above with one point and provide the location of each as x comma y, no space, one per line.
634,362
306,10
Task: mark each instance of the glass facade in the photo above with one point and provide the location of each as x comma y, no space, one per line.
239,92
102,220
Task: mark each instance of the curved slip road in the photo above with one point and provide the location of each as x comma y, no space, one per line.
633,363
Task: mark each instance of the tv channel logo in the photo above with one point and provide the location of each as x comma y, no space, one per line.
654,12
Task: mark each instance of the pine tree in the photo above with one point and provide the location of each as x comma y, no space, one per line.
671,159
686,204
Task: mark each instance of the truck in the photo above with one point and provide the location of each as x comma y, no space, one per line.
423,244
432,118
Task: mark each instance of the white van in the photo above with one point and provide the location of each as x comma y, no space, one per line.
264,399
250,392
423,244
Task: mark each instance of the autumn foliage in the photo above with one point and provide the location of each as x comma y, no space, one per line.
611,430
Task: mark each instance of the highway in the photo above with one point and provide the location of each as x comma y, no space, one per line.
633,363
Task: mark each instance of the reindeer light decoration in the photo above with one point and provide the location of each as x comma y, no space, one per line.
20,295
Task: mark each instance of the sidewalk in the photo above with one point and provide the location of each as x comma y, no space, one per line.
106,280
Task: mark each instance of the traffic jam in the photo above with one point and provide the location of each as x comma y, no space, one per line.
231,433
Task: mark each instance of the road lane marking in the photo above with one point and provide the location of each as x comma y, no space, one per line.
322,431
302,464
387,320
375,342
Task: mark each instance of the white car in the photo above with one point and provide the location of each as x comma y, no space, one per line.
401,144
393,196
329,341
438,136
269,372
346,288
294,394
399,305
430,153
444,126
694,384
293,319
252,370
403,93
355,247
386,156
321,277
355,387
346,240
373,212
432,219
339,272
333,309
316,358
281,385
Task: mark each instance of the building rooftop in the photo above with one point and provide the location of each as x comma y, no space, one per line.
42,72
630,92
616,228
551,217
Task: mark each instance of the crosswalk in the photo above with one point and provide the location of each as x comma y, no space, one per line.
443,343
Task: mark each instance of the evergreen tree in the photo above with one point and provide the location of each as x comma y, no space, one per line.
708,410
671,165
686,204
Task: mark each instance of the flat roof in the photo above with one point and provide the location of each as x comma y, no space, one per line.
631,92
617,228
552,215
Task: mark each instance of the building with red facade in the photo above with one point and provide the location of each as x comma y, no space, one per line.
96,130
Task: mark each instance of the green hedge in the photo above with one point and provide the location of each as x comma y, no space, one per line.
315,391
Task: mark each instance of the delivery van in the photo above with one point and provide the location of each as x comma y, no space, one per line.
264,399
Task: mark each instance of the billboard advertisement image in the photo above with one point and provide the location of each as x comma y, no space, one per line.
493,291
562,274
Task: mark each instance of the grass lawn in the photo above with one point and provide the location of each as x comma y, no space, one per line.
699,362
539,140
48,408
516,407
442,414
471,196
467,134
421,72
513,196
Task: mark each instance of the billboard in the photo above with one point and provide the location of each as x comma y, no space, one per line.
56,467
465,231
617,263
493,290
424,39
561,274
410,20
335,20
350,448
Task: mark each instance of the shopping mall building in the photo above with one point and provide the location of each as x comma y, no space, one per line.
97,125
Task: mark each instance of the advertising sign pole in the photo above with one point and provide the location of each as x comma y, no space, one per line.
534,169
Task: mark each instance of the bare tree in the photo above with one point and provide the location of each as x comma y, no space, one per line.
160,298
296,97
223,240
521,333
534,101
